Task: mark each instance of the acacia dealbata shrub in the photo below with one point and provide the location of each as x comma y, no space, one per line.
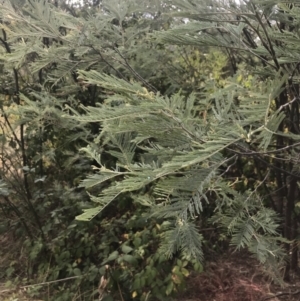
134,132
41,91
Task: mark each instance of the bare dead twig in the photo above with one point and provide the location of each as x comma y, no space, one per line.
54,281
281,294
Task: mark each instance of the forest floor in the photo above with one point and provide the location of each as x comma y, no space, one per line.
238,277
234,276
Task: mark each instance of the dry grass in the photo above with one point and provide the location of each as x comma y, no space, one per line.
237,277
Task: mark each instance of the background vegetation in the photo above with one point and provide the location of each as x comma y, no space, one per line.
141,139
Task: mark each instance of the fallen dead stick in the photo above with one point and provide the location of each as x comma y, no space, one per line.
49,282
281,294
41,283
6,291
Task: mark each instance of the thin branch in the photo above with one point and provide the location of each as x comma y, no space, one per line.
120,292
153,89
22,141
108,63
270,48
273,166
267,152
10,127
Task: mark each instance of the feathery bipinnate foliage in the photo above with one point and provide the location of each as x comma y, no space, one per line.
172,143
183,145
171,159
42,48
264,36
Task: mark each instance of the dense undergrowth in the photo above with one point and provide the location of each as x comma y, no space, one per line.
138,139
